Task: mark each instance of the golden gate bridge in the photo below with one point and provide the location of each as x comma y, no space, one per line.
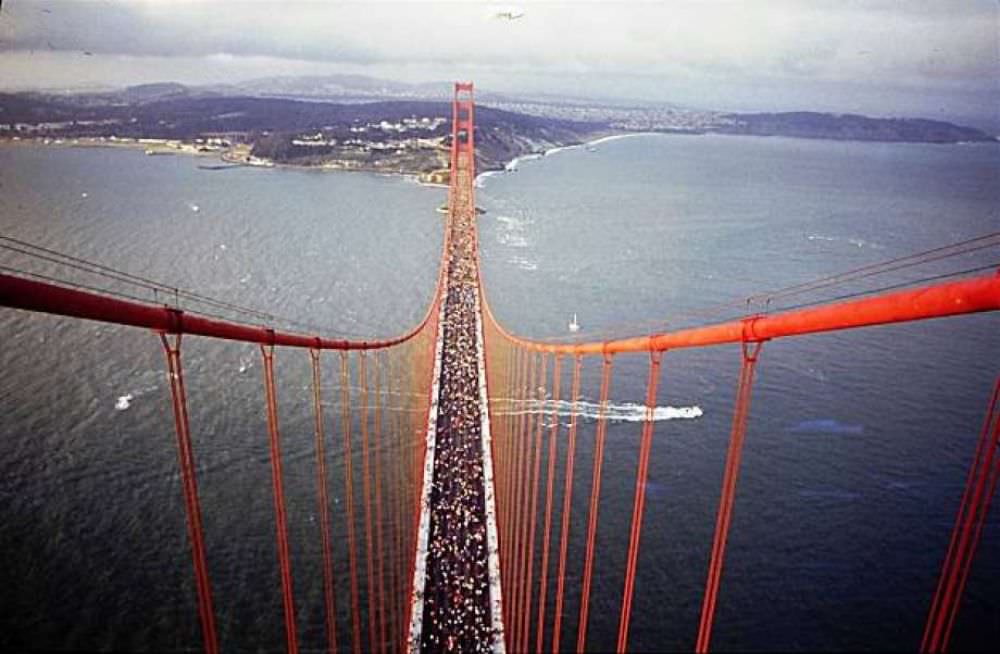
463,439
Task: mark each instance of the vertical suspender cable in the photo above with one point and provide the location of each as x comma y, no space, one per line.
520,498
567,498
513,418
550,485
529,561
345,427
972,512
185,457
267,351
367,499
324,506
393,400
726,498
640,499
516,411
399,507
994,473
379,545
595,496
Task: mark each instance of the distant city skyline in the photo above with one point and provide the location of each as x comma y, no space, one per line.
933,59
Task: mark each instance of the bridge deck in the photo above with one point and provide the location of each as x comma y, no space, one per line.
458,608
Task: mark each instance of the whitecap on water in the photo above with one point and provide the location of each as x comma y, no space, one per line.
124,402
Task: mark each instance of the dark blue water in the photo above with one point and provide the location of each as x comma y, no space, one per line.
858,443
856,452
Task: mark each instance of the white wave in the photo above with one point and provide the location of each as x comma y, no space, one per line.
523,264
510,222
481,177
617,137
560,149
857,242
124,402
512,240
616,412
516,161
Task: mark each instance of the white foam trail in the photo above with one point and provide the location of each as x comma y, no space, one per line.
623,412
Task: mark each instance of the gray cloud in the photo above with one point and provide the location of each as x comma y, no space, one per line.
941,47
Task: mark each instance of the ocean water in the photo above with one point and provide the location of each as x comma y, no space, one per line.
857,446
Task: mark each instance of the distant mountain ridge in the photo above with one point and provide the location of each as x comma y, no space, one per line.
364,127
854,127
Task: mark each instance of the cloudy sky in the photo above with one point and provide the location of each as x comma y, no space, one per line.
914,57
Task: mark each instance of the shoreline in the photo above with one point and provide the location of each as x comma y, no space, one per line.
227,157
511,166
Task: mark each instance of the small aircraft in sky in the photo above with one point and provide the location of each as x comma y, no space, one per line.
509,14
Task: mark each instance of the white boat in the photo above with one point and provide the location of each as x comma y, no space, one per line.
574,326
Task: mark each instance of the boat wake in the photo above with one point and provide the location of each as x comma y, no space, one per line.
616,412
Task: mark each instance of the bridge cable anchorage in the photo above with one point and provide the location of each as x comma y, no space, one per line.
595,496
329,596
966,534
645,448
567,501
185,458
750,351
281,521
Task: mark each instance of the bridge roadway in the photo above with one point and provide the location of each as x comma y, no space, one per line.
456,606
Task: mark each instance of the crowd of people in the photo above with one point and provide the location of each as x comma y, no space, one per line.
457,615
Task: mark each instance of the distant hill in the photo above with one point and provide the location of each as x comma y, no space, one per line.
808,124
174,112
363,130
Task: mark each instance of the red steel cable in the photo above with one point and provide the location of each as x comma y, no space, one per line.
567,498
185,457
324,506
367,499
595,496
640,499
529,561
506,562
279,499
938,300
945,601
550,485
512,487
379,545
727,496
948,562
394,479
520,500
974,545
345,427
